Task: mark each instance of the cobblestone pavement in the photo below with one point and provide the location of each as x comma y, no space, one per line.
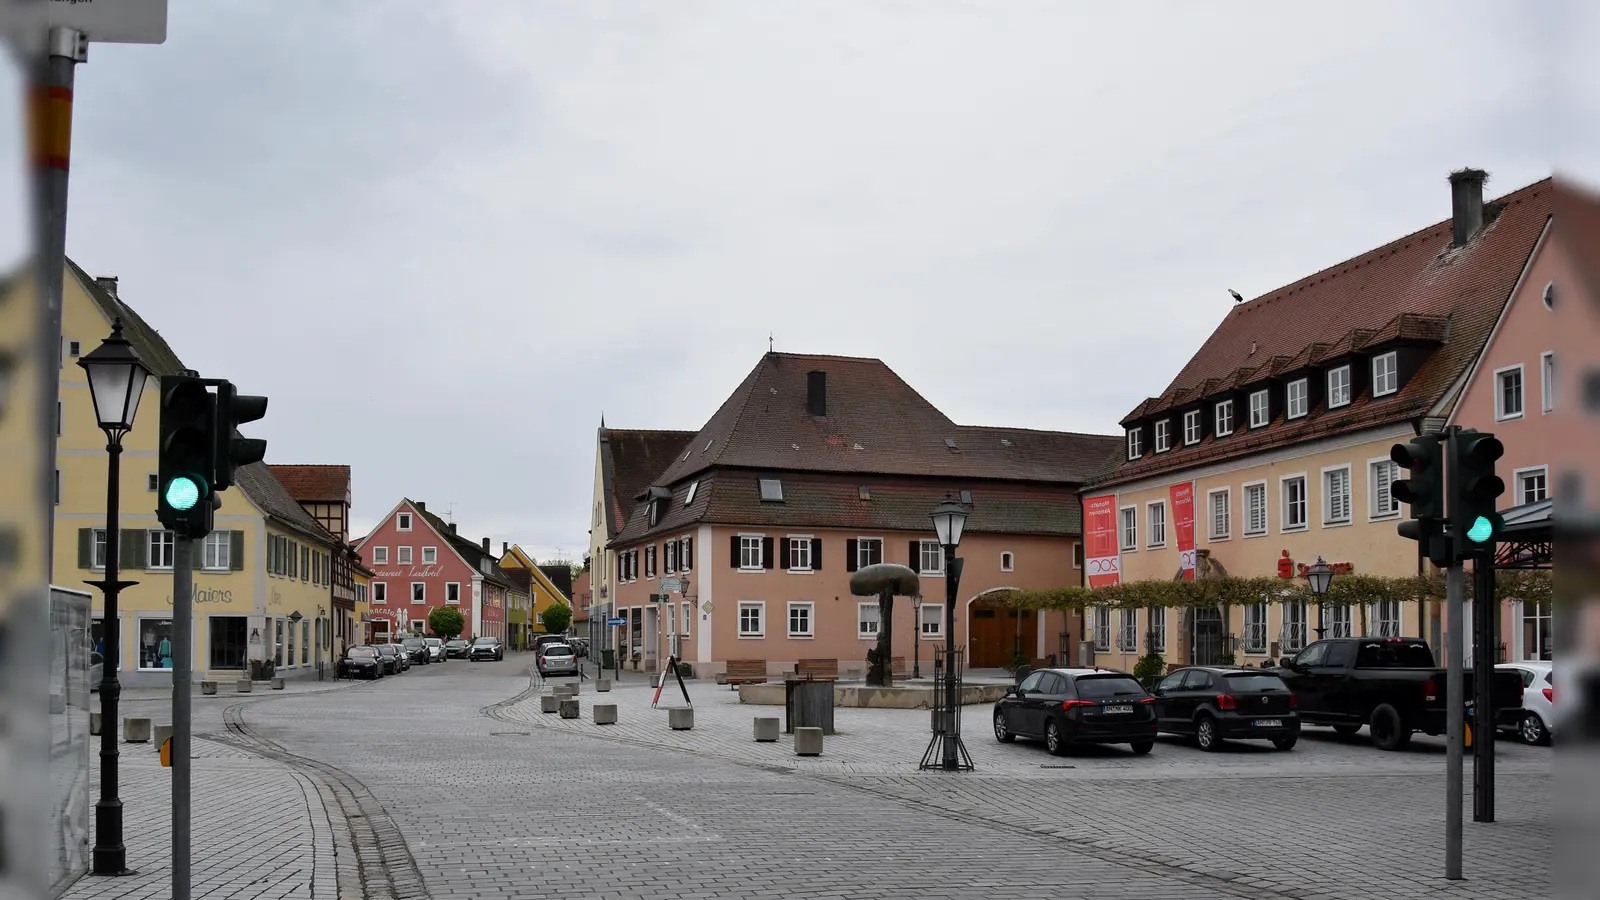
495,799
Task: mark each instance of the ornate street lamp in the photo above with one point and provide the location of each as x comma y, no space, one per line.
949,520
116,382
1320,575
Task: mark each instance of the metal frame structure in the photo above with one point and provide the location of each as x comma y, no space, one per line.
946,752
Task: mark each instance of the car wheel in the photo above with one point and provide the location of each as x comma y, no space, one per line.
1205,733
1532,731
1140,748
1388,732
1001,732
1285,743
1052,739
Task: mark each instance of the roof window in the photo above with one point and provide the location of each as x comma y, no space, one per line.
771,490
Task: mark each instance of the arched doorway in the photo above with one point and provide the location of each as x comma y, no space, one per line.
997,631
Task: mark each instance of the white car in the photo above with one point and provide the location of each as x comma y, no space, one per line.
1538,699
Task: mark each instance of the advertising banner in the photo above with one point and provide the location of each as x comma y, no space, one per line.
1101,556
1183,522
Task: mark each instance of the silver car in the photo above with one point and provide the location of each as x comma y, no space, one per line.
435,649
557,659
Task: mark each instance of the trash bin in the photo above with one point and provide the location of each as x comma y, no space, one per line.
608,658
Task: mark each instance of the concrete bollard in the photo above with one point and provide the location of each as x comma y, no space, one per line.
243,685
549,703
565,690
766,729
208,688
160,733
808,742
603,685
569,709
94,723
605,714
277,683
135,729
681,718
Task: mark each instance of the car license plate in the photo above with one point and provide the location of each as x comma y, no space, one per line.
1118,710
1269,723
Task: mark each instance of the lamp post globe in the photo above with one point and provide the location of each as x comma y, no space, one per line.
949,518
1320,575
116,382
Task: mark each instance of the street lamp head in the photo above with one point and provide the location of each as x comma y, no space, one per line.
116,382
1320,575
949,518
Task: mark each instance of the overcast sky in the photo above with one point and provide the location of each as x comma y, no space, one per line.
445,237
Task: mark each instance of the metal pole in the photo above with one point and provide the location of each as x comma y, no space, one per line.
951,698
1485,612
110,855
1455,718
182,697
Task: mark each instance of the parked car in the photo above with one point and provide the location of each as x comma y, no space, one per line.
1213,704
1077,706
456,649
417,650
435,649
361,662
1537,721
543,640
391,657
1391,685
487,648
580,647
558,659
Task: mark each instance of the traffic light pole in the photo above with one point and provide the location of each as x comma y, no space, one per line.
182,697
1455,718
1485,614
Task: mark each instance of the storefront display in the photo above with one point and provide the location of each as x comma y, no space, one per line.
154,643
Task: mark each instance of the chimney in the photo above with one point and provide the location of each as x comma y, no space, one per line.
486,551
107,283
452,528
1466,205
817,393
421,507
505,547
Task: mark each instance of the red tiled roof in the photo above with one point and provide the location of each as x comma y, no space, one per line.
1418,288
632,458
315,483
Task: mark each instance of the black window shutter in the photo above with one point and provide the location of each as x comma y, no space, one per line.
783,555
852,554
816,554
915,555
733,552
85,547
766,553
687,562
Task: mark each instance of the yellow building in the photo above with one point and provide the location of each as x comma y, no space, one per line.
542,593
262,579
362,576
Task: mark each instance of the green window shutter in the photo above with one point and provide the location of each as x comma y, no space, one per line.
132,547
85,547
236,550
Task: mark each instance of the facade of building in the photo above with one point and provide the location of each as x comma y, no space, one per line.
419,563
262,578
1271,447
582,598
323,491
815,467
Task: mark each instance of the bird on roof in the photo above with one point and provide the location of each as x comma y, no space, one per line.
1236,297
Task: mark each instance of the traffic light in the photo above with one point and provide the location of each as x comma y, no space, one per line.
1475,491
186,503
230,449
1423,458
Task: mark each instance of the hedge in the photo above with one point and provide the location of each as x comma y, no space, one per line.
1345,590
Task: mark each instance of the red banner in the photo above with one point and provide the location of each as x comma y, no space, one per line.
1183,522
1100,554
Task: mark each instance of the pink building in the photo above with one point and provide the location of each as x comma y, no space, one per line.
816,466
420,563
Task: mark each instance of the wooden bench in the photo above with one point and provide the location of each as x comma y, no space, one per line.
817,669
746,671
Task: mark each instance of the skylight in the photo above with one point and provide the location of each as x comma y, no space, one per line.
689,497
864,492
771,490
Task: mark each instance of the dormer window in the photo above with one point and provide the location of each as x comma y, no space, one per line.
1191,427
1299,400
1135,443
1259,410
1338,387
694,486
1224,419
771,490
655,512
1385,374
1163,435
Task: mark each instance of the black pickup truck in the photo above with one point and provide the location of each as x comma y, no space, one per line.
1391,685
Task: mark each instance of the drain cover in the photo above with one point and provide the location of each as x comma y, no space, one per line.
1047,766
509,733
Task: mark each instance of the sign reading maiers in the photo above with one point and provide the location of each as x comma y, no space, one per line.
1100,554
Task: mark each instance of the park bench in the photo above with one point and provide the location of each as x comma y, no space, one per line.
817,670
746,671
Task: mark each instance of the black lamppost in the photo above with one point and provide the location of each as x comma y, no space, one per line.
116,382
1320,575
949,518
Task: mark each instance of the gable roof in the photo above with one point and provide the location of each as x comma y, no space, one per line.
517,560
315,483
630,459
469,551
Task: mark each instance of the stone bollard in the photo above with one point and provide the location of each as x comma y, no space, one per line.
208,688
808,742
565,690
766,729
94,723
603,685
160,733
681,718
277,683
569,709
549,703
605,714
135,729
243,685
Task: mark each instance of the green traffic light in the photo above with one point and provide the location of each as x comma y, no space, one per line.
1482,529
183,493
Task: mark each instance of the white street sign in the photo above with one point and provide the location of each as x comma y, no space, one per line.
671,585
112,21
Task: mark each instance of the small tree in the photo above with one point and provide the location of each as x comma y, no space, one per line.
557,618
446,623
1151,667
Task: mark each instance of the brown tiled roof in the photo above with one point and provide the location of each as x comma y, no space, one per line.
264,489
630,459
875,423
471,551
315,483
1417,288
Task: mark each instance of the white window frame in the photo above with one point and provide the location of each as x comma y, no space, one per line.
862,634
1284,525
799,541
1191,428
402,521
380,556
403,555
448,586
1128,537
218,546
1223,412
1517,476
379,592
937,631
1102,629
1157,625
863,546
153,538
688,497
1008,561
1385,624
424,600
1500,413
1264,408
760,607
1390,374
1338,620
1266,508
1345,386
1135,443
1211,513
1289,399
1327,496
1155,519
1255,640
1128,629
1547,381
927,550
1163,435
430,556
1375,510
811,619
746,541
1295,633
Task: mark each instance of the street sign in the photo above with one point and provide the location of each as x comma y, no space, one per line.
112,21
617,621
672,585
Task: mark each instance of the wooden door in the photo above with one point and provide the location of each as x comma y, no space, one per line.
991,637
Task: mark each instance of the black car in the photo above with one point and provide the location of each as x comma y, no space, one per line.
361,662
544,639
1213,704
1077,706
417,649
389,656
487,648
456,649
